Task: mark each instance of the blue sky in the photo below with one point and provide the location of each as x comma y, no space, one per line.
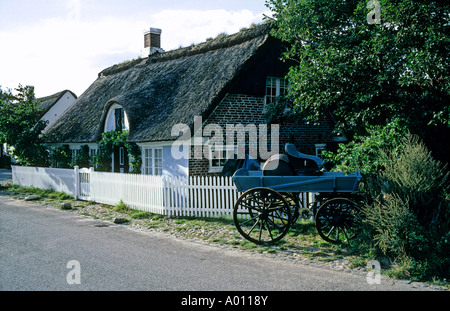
63,44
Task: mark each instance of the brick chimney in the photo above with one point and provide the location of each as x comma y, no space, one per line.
152,42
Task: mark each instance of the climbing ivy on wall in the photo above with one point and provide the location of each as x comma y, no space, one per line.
110,140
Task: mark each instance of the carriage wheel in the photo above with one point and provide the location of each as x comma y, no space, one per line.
262,215
293,200
337,220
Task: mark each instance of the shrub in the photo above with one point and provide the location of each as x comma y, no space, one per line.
83,158
415,176
60,157
409,217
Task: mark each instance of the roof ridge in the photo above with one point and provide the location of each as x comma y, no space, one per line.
217,43
57,94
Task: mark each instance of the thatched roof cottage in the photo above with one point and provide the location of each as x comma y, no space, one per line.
226,80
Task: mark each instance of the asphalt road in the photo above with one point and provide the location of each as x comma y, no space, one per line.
44,249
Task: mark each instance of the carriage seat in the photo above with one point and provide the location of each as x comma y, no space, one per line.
304,164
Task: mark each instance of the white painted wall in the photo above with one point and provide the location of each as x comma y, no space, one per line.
171,167
59,107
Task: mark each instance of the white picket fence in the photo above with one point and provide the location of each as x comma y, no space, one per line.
140,192
200,196
212,197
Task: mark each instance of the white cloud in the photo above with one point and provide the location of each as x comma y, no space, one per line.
68,53
184,27
74,7
57,54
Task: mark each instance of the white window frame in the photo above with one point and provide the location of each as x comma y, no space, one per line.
92,153
278,84
122,155
150,154
226,151
319,149
75,153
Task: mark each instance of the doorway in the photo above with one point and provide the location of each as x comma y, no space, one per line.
121,161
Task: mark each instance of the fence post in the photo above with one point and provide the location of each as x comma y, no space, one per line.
91,184
77,182
166,197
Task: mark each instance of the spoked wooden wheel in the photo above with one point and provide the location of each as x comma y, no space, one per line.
293,201
337,220
262,215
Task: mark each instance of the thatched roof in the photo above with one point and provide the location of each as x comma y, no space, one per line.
162,90
45,103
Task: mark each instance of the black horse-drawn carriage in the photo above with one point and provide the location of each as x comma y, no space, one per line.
271,200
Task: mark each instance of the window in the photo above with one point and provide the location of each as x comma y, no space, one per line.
75,153
120,119
276,87
153,161
116,119
218,156
122,155
320,148
93,153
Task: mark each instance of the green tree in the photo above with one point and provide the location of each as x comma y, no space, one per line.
21,127
366,152
369,71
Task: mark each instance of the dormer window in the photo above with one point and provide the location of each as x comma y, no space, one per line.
117,119
120,119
